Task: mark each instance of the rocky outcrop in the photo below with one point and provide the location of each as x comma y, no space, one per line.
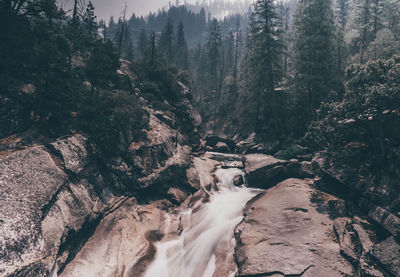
123,243
354,236
379,197
386,254
287,231
265,171
53,196
29,180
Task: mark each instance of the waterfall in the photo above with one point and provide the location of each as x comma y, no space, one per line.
193,252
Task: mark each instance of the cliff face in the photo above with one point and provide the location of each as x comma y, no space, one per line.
55,193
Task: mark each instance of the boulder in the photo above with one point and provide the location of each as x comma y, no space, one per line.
176,195
284,233
73,151
264,171
238,180
29,179
123,243
221,147
212,141
386,219
386,254
201,172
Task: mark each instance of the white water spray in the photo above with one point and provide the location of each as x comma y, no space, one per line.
193,253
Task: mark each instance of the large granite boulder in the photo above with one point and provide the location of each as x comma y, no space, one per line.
287,231
264,171
29,179
123,243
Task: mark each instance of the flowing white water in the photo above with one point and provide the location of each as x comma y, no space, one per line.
193,253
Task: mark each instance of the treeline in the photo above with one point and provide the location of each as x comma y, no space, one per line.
291,61
58,75
325,76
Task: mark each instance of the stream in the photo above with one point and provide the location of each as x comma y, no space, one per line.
209,222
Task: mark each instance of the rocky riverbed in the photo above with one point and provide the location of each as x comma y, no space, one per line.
59,217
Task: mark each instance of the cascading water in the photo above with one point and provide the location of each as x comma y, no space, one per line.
193,253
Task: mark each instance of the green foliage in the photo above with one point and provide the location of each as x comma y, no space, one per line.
39,45
113,119
365,123
102,64
158,80
167,41
314,57
265,49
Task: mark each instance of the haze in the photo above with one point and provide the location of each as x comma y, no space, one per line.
107,8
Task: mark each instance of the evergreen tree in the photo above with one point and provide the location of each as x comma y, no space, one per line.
314,57
89,19
230,53
376,12
342,12
264,57
214,42
181,48
391,14
167,40
143,42
363,25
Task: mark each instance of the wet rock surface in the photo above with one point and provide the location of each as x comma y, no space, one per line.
123,243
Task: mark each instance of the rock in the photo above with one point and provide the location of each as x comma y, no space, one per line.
232,164
221,147
238,180
176,195
193,177
73,151
123,243
244,145
355,244
387,220
29,179
202,170
212,141
159,160
264,171
306,169
386,254
283,233
337,208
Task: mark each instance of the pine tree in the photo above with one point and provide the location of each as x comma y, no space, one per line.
264,57
167,40
214,42
181,47
363,24
376,12
342,12
391,14
314,56
230,53
90,20
143,42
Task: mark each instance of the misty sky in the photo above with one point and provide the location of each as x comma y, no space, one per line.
107,8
